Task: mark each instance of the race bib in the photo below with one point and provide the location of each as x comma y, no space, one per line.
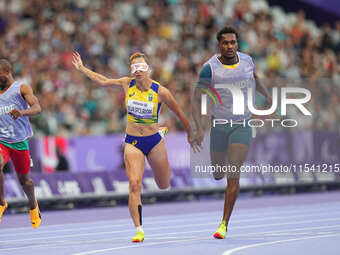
139,109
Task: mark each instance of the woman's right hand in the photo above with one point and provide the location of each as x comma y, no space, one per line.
76,60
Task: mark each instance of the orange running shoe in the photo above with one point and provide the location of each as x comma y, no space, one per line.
2,209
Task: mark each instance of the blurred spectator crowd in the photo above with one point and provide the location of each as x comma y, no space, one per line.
178,36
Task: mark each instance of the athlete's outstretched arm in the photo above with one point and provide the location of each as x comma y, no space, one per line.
166,97
261,89
101,79
31,99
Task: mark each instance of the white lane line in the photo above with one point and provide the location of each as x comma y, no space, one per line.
66,242
175,226
249,219
229,252
130,246
258,217
134,246
170,227
194,239
248,234
240,212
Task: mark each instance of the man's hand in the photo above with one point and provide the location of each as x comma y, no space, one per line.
15,114
196,140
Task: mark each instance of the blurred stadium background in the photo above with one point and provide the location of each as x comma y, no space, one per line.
77,147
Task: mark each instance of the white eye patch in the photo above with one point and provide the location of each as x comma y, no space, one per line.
139,67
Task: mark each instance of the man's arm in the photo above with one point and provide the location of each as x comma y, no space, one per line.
204,79
31,99
261,89
196,109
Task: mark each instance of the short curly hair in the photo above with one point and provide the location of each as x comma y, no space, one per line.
226,30
5,65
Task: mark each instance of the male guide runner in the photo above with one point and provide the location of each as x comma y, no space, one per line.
229,143
17,103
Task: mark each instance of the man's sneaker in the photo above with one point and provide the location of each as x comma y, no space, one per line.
220,233
35,217
2,209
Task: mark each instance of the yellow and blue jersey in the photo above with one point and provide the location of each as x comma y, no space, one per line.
142,106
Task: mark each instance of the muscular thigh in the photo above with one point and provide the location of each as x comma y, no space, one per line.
218,150
158,160
4,155
21,161
134,162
